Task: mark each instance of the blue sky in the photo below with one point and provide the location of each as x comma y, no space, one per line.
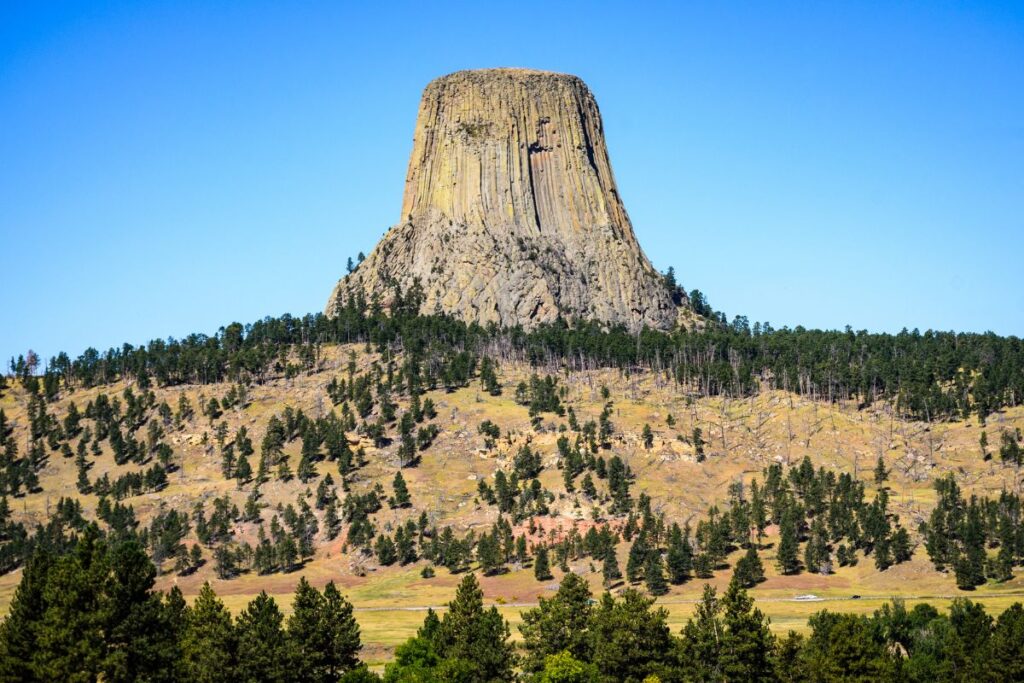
171,167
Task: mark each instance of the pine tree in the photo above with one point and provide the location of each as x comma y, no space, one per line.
385,550
816,555
703,637
286,552
748,647
227,460
704,565
305,632
679,557
332,522
901,548
559,624
786,557
472,640
698,444
82,484
284,472
647,650
749,570
541,564
209,643
637,559
195,557
647,436
654,577
610,572
341,632
969,567
243,470
306,470
488,554
263,653
401,498
881,473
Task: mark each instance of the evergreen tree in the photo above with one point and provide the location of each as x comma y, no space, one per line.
541,564
703,639
332,522
629,640
679,557
20,631
208,646
786,557
969,567
749,570
654,577
1007,643
611,573
473,641
385,550
901,548
637,559
401,498
306,470
748,647
817,557
558,625
140,641
340,631
304,632
263,653
703,565
881,473
243,470
323,633
843,647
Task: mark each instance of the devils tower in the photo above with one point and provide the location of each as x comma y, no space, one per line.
511,214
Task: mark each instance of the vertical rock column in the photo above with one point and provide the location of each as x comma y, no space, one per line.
510,212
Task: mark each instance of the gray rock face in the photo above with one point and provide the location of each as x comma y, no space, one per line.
510,213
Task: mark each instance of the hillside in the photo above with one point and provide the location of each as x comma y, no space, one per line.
741,437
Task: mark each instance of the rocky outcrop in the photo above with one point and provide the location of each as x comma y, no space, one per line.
510,213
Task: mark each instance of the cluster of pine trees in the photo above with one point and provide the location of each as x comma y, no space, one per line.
92,614
826,513
573,637
89,611
960,531
930,375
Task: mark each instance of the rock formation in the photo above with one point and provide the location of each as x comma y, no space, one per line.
510,213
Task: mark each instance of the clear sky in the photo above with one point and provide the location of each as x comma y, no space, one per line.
167,168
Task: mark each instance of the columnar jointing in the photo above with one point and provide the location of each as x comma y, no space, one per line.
510,213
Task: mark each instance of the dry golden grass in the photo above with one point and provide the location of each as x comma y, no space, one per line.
743,437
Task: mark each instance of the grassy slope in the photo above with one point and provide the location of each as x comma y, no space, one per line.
744,436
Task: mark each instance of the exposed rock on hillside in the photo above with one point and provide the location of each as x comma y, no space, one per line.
510,213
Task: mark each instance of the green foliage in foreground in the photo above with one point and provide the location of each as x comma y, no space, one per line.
92,614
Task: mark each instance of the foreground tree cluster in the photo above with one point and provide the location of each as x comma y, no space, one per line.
92,614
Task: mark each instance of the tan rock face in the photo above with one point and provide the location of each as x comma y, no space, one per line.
510,213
